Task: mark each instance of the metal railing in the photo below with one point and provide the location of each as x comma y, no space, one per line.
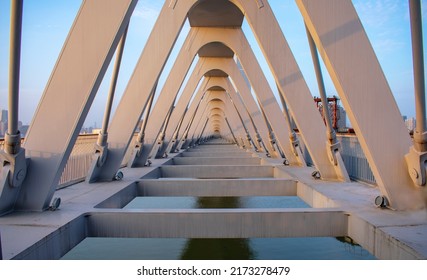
354,159
80,159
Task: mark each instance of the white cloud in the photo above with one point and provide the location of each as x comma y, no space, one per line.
378,13
382,20
147,11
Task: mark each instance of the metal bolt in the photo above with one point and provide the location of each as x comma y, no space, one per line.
414,173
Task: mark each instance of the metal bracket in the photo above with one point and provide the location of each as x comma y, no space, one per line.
294,144
137,152
13,170
180,144
296,149
316,175
259,140
417,164
98,159
157,147
248,137
332,150
161,138
272,138
139,143
101,152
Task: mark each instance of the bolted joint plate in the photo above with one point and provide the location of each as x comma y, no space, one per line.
416,162
101,152
272,138
295,145
13,170
332,151
18,166
296,149
98,159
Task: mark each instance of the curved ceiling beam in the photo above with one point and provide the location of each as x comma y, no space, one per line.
200,69
310,123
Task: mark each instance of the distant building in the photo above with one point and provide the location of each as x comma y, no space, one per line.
3,123
23,129
342,119
3,116
3,128
96,130
337,114
410,123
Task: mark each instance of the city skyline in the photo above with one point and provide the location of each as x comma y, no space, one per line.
46,24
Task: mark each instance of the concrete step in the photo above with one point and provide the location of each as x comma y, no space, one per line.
216,161
216,150
216,147
216,154
216,187
216,171
218,223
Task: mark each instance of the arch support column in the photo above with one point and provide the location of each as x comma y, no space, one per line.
361,85
68,95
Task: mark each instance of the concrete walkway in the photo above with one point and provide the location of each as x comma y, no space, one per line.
215,169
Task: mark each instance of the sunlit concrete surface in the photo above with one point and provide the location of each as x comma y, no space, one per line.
95,210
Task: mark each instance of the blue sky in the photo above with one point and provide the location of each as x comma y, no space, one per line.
46,24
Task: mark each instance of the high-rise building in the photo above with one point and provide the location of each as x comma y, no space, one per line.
3,128
410,123
342,120
3,116
3,122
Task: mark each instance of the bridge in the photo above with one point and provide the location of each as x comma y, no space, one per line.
214,130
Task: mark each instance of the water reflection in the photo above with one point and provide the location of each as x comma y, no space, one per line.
322,248
214,248
352,247
218,249
313,248
190,202
218,202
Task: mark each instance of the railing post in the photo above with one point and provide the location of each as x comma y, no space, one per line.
417,156
101,146
183,143
13,166
248,137
140,139
157,147
333,145
292,135
231,130
172,143
419,82
257,135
